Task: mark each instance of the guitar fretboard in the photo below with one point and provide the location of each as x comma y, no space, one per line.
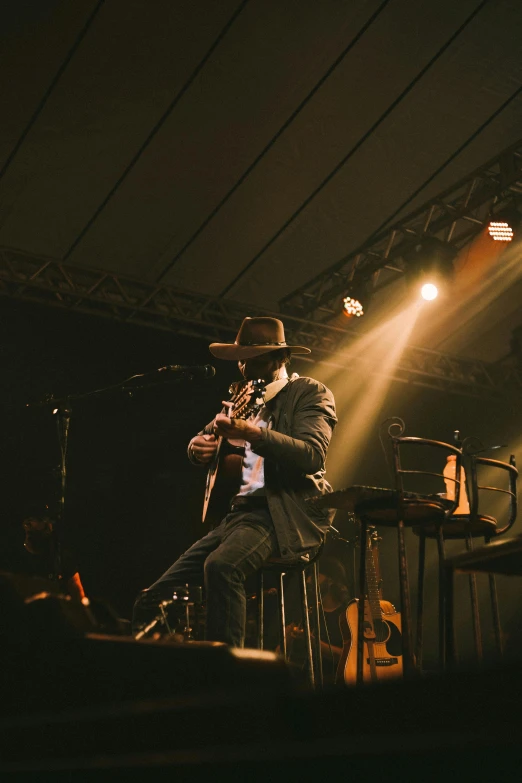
372,582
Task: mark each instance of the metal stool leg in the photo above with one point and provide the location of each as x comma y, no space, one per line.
472,579
420,598
408,661
363,542
442,598
496,615
495,612
260,610
306,627
282,619
318,660
449,657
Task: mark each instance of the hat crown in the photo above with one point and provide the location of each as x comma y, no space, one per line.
256,336
261,330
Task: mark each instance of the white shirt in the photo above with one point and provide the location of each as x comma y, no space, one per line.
253,475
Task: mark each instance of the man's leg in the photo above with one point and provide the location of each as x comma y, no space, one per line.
188,569
248,541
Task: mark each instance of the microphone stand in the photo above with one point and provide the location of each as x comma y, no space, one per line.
63,412
63,420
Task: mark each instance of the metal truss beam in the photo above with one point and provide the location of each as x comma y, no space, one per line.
49,282
454,216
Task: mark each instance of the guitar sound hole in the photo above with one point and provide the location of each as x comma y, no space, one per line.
382,630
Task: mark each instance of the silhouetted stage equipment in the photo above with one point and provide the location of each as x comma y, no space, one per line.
34,602
53,656
499,557
183,605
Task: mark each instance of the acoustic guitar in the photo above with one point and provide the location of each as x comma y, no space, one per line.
382,647
224,472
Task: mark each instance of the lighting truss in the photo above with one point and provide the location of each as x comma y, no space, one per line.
49,282
455,217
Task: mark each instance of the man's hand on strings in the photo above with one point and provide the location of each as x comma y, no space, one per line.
204,447
236,429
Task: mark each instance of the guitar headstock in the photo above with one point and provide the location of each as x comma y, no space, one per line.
248,400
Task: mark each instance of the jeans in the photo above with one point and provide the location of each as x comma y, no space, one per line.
221,561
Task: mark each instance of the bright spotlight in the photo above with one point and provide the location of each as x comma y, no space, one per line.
429,292
429,267
352,307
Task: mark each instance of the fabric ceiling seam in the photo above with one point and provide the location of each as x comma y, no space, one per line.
47,94
441,168
354,149
274,138
168,111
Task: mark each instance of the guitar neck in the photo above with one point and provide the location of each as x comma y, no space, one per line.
372,580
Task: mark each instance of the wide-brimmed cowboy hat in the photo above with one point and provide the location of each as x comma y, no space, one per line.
255,337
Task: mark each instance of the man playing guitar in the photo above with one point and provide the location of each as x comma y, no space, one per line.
285,443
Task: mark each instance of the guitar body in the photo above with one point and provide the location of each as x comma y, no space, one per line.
225,483
225,470
382,647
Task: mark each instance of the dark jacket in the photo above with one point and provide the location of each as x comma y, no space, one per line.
302,419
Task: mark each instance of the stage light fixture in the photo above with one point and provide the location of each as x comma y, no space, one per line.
352,307
356,300
429,291
429,266
503,223
500,231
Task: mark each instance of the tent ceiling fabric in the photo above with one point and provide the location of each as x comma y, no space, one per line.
239,148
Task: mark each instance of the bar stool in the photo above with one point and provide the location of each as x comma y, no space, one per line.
478,524
304,567
400,508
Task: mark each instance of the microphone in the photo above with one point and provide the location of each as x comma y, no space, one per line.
196,370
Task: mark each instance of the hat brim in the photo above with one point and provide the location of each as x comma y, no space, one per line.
235,352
